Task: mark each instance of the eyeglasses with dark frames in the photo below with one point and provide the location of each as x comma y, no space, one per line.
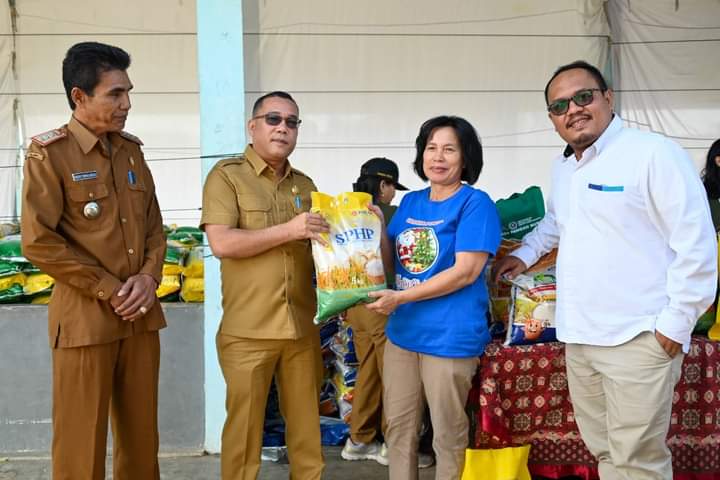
582,98
274,119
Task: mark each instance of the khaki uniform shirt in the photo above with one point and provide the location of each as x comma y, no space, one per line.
269,295
90,258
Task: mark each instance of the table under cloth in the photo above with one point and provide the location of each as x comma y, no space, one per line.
520,396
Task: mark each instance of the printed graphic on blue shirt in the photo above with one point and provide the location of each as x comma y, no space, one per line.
417,249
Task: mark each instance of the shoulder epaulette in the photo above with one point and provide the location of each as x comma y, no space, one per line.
45,139
300,172
231,161
131,137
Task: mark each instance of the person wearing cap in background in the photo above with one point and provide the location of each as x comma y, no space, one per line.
379,178
256,216
91,220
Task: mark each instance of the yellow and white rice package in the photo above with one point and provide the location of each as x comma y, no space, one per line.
350,266
532,310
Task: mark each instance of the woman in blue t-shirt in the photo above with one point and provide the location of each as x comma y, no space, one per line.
438,244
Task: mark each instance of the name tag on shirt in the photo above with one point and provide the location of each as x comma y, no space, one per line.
82,176
606,188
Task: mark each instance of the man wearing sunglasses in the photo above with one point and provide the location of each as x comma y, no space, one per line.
256,216
636,268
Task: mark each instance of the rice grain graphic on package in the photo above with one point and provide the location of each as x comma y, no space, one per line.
350,265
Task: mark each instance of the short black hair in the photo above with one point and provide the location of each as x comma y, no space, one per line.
582,64
368,184
85,61
276,93
711,172
470,146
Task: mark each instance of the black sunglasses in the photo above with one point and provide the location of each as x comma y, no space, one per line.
274,119
581,98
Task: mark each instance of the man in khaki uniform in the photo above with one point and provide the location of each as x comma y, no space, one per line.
255,214
90,219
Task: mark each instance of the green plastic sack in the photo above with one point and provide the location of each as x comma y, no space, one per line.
189,236
13,294
705,321
9,268
521,212
11,249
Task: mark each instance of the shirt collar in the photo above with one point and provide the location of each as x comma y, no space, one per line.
259,165
85,138
613,127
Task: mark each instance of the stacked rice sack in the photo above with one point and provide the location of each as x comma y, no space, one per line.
20,281
183,268
523,309
341,365
345,363
328,404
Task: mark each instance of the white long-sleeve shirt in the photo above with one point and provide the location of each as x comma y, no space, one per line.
637,248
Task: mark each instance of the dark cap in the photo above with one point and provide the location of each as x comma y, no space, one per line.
383,168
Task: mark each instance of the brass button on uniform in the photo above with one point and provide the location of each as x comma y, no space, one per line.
101,294
91,195
131,251
123,220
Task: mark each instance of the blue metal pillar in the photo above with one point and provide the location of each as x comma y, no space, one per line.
222,129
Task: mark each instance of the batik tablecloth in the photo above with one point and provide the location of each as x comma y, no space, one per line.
520,396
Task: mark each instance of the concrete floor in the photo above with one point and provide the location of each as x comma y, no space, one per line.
207,467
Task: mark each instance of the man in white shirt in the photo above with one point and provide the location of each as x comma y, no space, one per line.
637,265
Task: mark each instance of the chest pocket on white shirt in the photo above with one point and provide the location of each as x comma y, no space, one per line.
611,204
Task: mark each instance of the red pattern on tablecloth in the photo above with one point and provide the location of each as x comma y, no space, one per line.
520,396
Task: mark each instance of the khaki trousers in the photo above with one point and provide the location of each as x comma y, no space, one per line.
367,418
88,382
622,398
248,366
445,383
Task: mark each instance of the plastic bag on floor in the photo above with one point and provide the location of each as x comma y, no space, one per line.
497,464
333,431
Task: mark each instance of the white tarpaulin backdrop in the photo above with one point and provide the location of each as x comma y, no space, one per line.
367,74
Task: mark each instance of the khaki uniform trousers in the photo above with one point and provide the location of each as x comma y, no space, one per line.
248,365
445,382
369,338
121,377
622,398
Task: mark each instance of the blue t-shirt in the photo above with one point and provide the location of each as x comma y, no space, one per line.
426,235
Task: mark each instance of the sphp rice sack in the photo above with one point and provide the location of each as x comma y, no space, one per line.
532,312
350,265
